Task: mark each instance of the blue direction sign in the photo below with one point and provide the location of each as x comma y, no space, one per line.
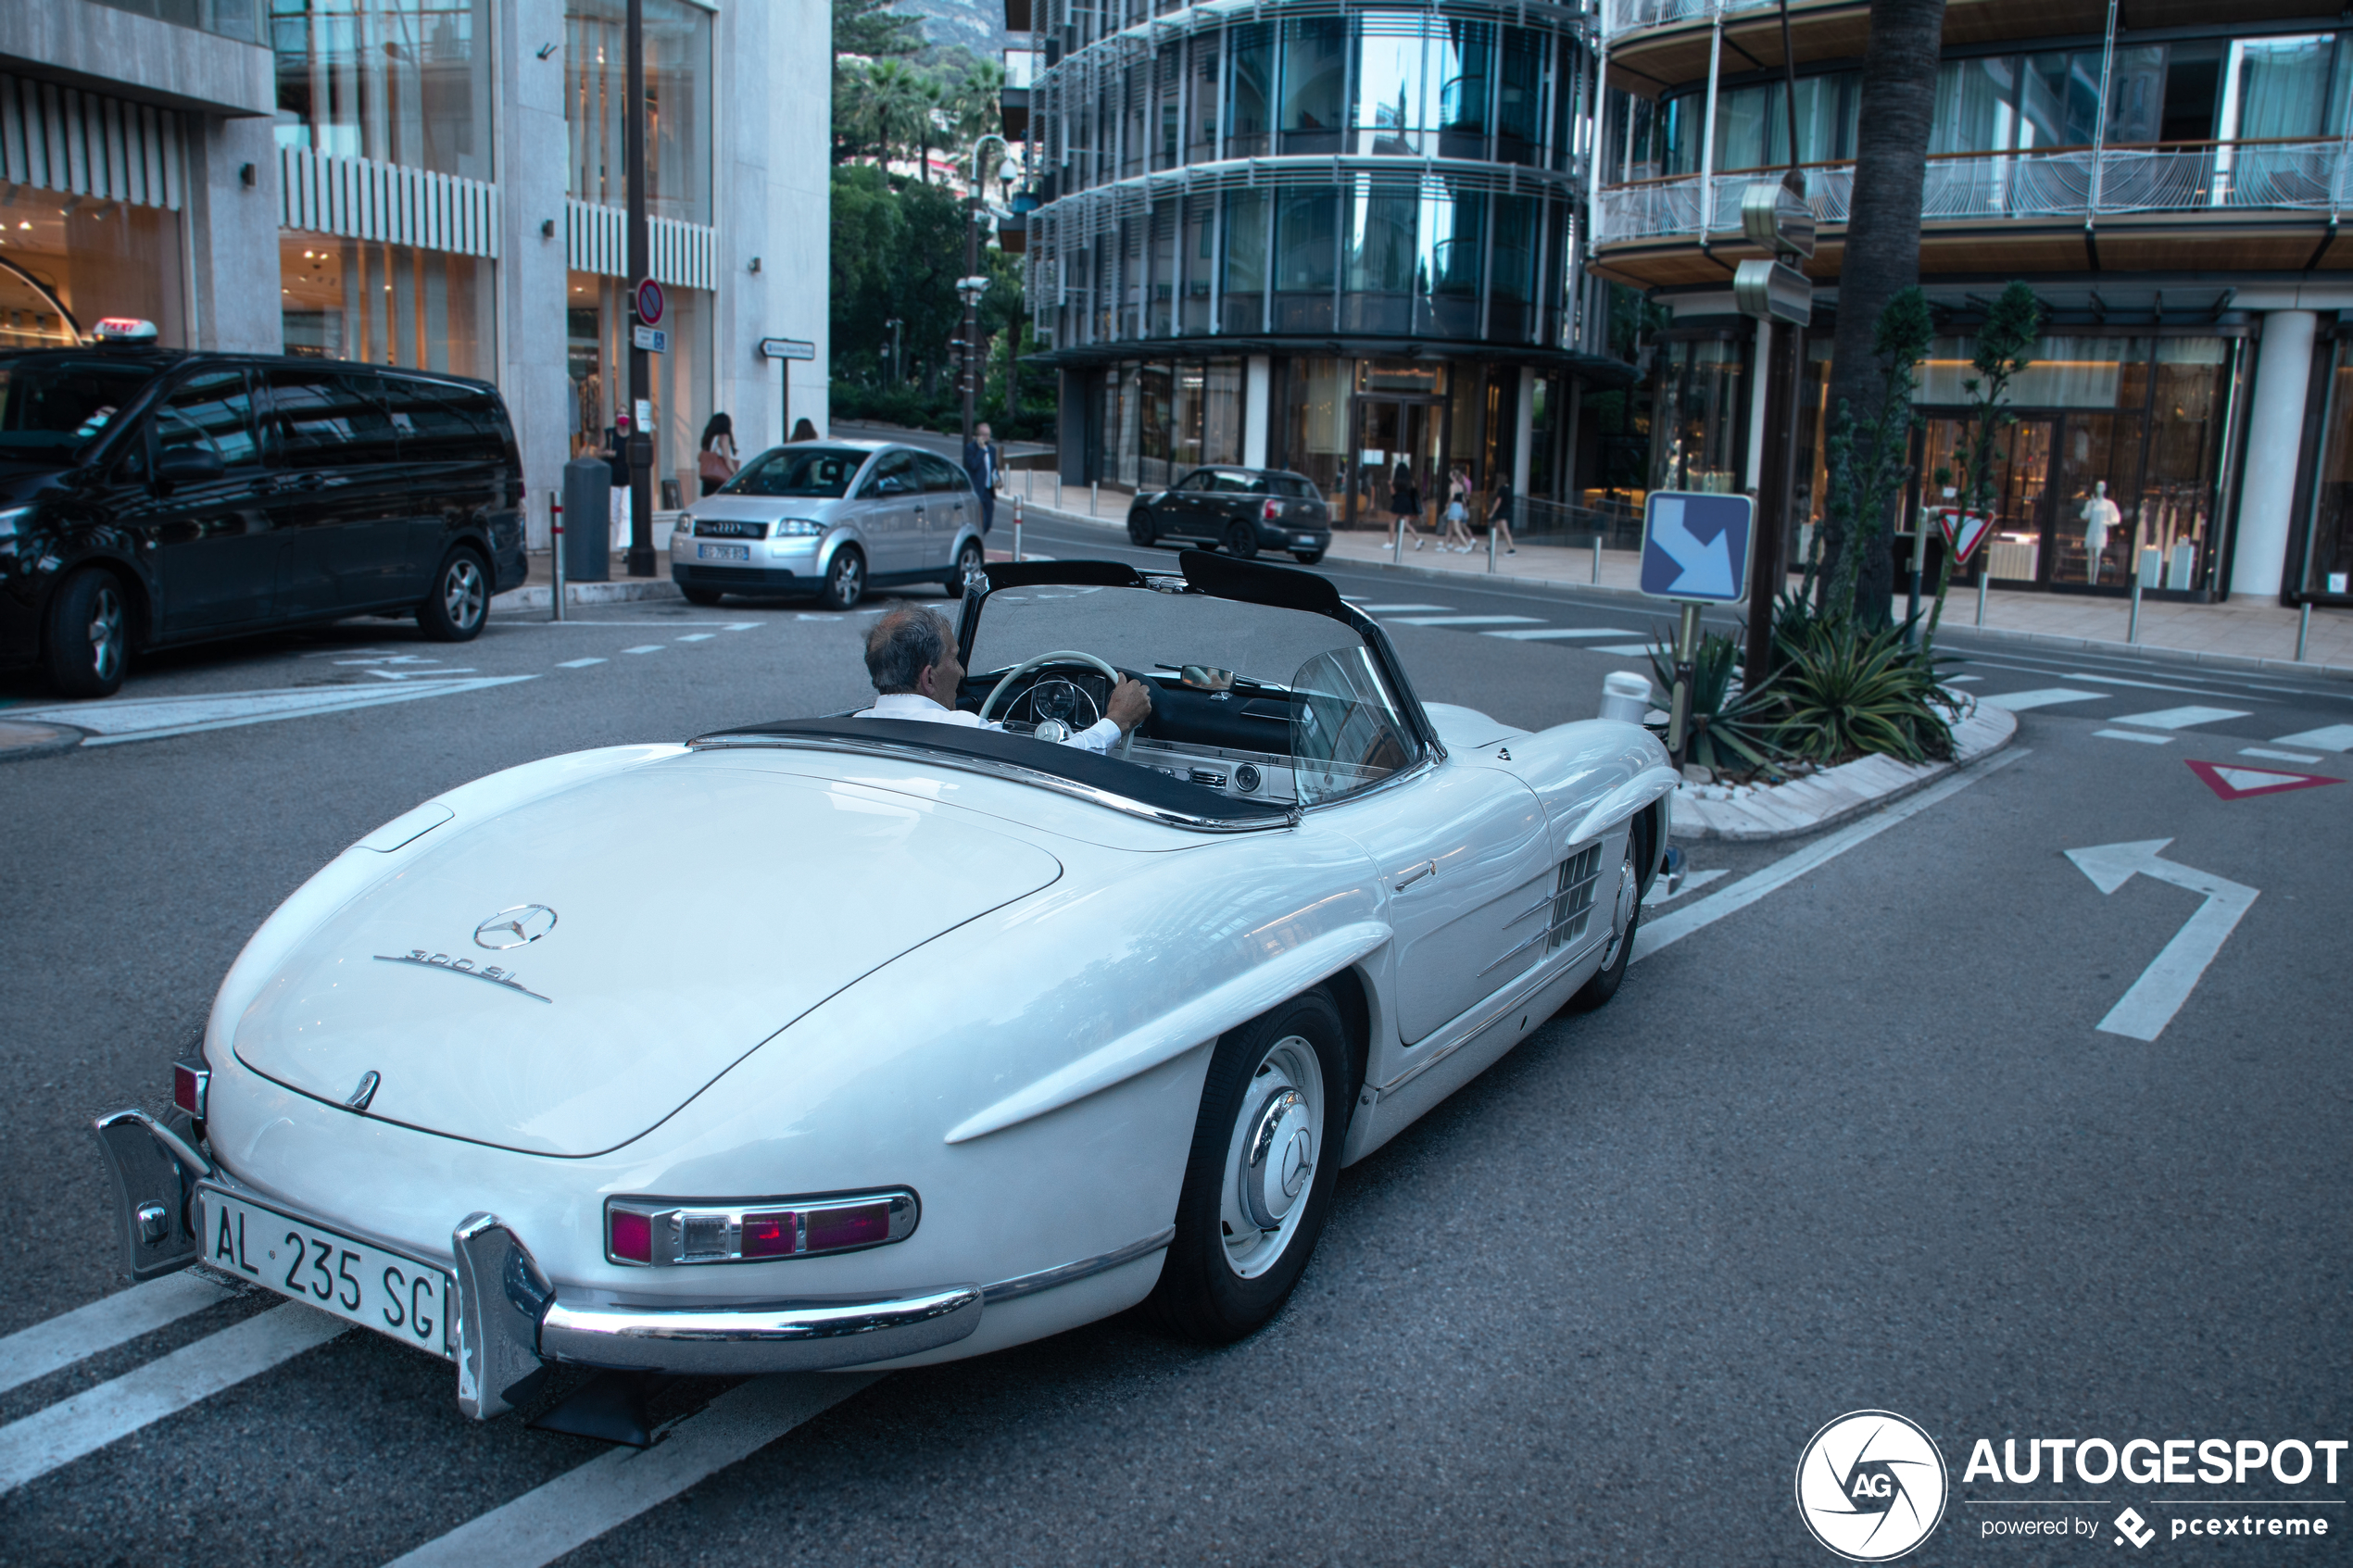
1695,546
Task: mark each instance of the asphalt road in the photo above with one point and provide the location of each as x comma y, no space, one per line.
1858,1144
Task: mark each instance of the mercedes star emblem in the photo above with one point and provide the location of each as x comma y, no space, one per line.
518,927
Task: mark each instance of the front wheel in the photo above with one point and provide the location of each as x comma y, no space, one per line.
969,565
1258,1184
1307,558
454,612
86,644
1626,913
704,596
1141,532
845,581
1241,541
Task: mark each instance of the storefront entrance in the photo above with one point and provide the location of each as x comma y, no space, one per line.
1392,434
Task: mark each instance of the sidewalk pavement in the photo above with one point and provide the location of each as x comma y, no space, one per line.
2243,632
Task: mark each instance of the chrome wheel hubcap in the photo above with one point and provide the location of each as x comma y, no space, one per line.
1270,1161
105,634
461,593
846,578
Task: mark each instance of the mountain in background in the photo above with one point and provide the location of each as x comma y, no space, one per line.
978,25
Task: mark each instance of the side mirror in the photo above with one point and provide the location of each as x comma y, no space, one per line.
189,465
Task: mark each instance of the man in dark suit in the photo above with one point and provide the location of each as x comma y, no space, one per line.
985,464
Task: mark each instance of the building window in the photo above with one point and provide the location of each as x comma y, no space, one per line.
230,19
386,305
404,82
61,271
1699,415
677,105
2328,554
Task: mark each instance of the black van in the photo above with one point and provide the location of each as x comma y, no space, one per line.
153,498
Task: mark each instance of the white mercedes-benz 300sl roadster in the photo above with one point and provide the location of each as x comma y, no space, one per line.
925,1039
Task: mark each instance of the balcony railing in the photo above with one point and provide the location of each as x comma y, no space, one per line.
2224,177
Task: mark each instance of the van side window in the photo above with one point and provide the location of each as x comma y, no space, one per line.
440,423
328,419
211,411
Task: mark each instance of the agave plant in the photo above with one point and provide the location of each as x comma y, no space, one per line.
1844,691
1730,730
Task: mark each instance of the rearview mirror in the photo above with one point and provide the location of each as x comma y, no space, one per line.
189,465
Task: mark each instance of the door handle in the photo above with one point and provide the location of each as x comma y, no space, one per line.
1413,874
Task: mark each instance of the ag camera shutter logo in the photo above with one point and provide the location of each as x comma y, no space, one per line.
1871,1486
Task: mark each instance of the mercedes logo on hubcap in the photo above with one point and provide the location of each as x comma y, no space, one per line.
518,927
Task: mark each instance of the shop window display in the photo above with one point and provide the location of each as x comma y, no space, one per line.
60,271
386,305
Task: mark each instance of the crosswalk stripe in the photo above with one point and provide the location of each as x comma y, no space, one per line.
646,647
2278,756
578,663
1626,650
1466,619
2141,736
1548,634
610,1490
698,637
2328,737
56,1436
104,1324
2019,702
2180,718
1397,610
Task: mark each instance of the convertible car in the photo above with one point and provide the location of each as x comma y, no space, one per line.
925,1039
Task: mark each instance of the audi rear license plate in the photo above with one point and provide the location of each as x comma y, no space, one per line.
389,1292
723,552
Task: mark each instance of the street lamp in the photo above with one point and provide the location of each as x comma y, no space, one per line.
973,285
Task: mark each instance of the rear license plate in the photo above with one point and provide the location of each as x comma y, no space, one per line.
723,552
394,1295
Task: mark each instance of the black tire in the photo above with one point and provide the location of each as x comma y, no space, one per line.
1307,558
704,596
1203,1292
845,579
457,604
1142,531
969,560
1241,541
1606,980
86,644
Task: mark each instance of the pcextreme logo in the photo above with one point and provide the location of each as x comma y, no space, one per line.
1871,1486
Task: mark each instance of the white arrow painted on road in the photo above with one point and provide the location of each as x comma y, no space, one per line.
115,721
1706,568
2144,1011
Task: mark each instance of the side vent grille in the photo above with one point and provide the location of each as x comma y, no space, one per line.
1573,903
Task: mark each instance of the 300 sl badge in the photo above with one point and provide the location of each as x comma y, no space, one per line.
444,962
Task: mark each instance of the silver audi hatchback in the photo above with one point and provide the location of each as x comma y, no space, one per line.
830,520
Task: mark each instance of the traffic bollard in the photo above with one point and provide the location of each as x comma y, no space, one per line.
1397,545
1982,573
556,550
2303,629
1017,528
1092,487
1597,559
2133,622
1058,487
1491,547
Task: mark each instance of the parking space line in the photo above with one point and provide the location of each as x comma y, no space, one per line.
104,1324
54,1438
610,1490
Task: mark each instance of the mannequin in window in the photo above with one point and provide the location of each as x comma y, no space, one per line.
2100,514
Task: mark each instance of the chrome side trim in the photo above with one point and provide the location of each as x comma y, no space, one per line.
1046,1279
812,1334
990,766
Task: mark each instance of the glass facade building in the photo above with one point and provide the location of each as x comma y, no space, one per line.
1330,237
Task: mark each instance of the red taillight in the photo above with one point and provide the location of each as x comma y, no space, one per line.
831,1229
633,1236
1272,510
771,1233
191,1085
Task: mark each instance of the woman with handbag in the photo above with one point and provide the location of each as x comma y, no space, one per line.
717,465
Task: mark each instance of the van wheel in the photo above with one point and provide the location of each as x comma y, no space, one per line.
845,579
704,596
460,603
1259,1181
86,644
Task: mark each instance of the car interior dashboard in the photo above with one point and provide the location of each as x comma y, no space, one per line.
1207,727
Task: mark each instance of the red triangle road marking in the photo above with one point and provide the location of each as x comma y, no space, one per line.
2237,784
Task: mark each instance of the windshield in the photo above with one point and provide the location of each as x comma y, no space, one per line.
53,407
824,472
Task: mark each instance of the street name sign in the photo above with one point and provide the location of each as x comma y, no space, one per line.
786,349
1695,546
653,340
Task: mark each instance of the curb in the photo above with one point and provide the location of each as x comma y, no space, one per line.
542,595
1762,813
21,741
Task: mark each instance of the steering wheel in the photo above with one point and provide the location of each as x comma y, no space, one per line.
1061,656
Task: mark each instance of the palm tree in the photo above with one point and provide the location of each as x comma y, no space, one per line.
891,111
1883,252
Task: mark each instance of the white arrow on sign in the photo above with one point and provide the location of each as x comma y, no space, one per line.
1706,568
2144,1011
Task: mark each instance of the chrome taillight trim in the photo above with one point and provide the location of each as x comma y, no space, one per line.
199,1075
668,1218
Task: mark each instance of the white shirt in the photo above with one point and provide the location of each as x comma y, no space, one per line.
1098,737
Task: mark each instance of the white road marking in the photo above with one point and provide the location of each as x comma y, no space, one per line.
585,1501
1961,680
418,674
698,637
103,1325
2278,756
2147,685
1626,650
63,1433
2144,1010
1650,938
1547,634
119,720
644,648
743,625
2019,702
2180,718
1466,621
2141,736
1396,610
578,663
1692,882
2331,738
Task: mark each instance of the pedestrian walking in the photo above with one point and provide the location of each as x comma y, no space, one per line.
1458,491
717,464
803,431
985,464
1499,515
1405,500
616,454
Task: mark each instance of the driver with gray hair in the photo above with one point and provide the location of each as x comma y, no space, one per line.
910,655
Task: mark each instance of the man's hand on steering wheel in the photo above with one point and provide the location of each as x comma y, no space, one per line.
1132,704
